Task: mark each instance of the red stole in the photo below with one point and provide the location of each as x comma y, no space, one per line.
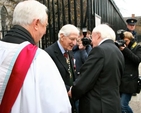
17,77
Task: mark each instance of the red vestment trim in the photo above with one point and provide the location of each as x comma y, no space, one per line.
17,77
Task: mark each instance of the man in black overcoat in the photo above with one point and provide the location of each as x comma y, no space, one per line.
97,86
66,40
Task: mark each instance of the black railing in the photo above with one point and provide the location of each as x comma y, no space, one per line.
81,13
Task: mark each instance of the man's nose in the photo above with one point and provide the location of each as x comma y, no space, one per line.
74,42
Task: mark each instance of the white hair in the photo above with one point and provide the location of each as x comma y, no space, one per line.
25,12
68,29
105,31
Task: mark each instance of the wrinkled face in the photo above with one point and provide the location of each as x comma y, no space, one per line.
42,28
39,29
69,41
131,27
95,39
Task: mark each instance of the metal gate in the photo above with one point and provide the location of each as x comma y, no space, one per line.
63,12
81,13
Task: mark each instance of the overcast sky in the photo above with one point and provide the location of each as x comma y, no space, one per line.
129,7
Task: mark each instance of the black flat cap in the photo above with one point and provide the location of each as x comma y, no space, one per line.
131,21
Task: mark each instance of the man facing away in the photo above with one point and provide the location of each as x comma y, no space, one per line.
97,86
66,40
43,89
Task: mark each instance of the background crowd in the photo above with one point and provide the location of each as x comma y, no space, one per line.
82,72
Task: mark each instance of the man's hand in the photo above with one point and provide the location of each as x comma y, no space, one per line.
81,47
69,92
122,47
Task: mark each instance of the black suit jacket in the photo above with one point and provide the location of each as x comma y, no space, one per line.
60,61
97,86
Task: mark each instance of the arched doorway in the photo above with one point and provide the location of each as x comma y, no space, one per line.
3,21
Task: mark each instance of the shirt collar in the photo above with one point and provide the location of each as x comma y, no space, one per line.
103,41
61,48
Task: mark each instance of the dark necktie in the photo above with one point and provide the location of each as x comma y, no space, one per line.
66,55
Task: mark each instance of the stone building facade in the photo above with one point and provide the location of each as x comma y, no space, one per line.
6,11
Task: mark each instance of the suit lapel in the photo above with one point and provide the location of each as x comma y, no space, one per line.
60,56
62,59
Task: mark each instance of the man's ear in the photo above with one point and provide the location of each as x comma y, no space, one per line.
36,23
61,36
98,35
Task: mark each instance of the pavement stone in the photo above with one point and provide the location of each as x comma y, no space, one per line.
135,103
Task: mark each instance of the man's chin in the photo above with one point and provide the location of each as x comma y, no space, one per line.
70,48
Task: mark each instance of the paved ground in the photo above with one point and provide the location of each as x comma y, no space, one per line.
136,100
135,103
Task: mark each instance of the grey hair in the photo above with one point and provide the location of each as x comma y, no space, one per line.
105,31
25,12
68,29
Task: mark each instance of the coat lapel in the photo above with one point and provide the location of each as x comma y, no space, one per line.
60,56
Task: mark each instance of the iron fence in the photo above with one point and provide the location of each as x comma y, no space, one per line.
81,13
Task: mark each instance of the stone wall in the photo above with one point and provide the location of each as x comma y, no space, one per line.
9,5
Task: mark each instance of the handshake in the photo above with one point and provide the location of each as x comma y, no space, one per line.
69,92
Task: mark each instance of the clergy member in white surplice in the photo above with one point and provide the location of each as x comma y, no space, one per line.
43,90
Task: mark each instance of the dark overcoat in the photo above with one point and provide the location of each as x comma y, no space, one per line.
131,73
60,61
97,87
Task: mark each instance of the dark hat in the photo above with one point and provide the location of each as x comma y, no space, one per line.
131,21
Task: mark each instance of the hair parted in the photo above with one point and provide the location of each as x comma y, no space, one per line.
26,11
105,31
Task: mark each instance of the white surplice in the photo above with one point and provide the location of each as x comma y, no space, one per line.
43,90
